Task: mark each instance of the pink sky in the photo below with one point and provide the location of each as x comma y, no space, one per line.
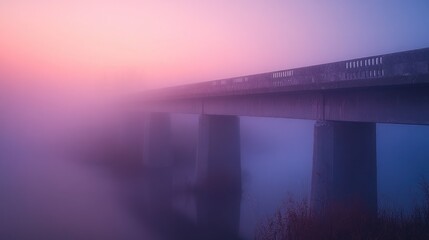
156,43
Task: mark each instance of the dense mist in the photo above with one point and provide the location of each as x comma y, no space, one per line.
73,163
67,168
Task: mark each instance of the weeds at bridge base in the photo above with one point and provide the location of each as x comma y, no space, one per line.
295,221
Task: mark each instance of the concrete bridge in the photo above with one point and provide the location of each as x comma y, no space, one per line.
345,98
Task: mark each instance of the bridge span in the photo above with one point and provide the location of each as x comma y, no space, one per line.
345,98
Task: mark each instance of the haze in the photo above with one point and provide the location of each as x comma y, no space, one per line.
65,65
124,44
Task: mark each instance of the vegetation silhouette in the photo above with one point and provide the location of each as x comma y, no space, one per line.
295,221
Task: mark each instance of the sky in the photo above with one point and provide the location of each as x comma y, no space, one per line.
145,44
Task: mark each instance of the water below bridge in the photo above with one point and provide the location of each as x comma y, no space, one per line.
277,160
48,193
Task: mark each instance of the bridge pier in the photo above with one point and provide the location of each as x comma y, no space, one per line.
156,142
218,174
344,167
157,165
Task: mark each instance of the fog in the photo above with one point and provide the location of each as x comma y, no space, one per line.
71,158
68,171
277,160
278,165
46,191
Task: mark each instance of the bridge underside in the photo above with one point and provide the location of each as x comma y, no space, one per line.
396,104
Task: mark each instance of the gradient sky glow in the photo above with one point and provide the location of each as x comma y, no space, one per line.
155,43
65,66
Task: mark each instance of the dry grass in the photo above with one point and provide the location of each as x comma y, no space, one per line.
295,221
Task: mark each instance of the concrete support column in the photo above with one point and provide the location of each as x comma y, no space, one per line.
344,166
157,165
219,174
156,142
146,137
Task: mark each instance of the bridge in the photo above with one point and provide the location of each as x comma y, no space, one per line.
345,98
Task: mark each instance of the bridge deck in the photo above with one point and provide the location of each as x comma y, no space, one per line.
391,88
